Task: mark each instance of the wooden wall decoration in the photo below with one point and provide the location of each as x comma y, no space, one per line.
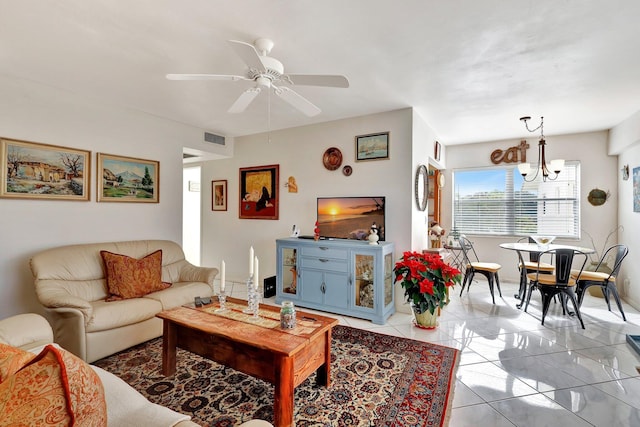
517,154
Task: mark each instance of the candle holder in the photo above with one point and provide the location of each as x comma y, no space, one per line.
252,299
222,299
253,303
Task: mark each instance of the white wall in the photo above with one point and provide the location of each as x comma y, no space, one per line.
299,152
38,113
191,214
423,144
624,139
598,169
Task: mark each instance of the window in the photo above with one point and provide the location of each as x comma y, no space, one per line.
497,201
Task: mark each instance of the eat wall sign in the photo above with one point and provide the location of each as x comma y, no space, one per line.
517,154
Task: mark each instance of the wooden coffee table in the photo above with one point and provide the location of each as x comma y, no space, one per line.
285,358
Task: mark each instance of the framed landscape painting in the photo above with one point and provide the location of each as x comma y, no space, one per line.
127,179
259,197
219,195
372,147
31,170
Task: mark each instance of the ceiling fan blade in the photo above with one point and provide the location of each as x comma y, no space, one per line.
297,100
249,54
244,100
318,80
204,77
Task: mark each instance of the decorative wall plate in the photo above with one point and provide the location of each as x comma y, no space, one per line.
332,158
347,170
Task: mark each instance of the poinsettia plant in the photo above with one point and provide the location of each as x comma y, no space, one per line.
425,279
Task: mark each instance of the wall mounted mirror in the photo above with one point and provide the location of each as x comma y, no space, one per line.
421,187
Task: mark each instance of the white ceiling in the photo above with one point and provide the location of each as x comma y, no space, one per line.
470,68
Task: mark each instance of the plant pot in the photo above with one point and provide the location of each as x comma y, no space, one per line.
426,320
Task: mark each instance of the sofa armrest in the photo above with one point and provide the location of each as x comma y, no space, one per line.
192,273
53,298
26,331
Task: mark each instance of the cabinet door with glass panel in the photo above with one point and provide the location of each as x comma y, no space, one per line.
373,281
388,279
364,277
288,272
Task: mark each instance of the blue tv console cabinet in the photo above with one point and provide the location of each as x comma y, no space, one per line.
349,277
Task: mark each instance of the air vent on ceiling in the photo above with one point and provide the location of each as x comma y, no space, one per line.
213,138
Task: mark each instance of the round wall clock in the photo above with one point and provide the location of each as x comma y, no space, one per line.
421,187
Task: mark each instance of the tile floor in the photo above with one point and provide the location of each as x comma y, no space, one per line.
516,372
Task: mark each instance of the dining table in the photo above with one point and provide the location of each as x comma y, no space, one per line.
536,248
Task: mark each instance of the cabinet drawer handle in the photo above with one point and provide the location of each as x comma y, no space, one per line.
323,288
324,248
323,260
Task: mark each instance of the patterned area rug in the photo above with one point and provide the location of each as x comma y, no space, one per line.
376,380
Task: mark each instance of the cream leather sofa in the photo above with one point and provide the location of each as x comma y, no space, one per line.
125,406
70,283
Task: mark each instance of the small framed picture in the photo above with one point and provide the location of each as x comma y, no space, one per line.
219,195
30,170
126,179
437,151
374,146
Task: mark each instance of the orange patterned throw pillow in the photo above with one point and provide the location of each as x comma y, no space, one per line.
56,388
132,278
11,360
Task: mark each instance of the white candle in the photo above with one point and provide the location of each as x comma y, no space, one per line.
222,276
251,256
255,273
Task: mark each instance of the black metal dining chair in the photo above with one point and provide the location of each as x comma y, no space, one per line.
606,280
473,265
561,283
531,266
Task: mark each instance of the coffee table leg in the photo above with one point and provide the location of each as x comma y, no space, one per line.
323,374
169,340
283,393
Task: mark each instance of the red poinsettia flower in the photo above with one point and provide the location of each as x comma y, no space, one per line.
426,286
425,278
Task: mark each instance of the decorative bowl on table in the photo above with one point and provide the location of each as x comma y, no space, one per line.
543,241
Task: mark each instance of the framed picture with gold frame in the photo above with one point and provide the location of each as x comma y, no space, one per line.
219,195
31,170
259,196
127,179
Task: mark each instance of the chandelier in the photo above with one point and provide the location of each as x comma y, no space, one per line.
550,172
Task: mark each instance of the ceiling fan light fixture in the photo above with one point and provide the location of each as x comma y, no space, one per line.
263,81
264,71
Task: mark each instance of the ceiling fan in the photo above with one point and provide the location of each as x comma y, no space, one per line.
268,73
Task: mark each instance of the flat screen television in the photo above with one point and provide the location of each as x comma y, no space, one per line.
350,217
